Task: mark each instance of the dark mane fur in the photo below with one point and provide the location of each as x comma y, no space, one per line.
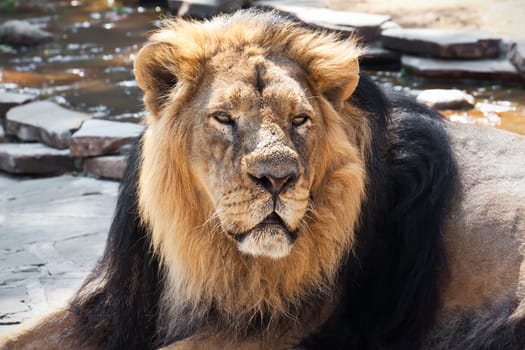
390,292
391,283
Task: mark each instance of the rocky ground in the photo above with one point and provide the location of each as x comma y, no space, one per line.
53,227
52,231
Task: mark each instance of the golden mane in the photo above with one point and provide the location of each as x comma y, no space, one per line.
202,266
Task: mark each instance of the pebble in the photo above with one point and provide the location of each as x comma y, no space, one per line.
108,167
34,159
442,43
23,33
446,99
44,121
99,137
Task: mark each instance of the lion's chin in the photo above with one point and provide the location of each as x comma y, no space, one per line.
273,241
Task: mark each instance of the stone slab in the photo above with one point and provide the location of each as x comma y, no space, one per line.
109,167
100,137
52,230
204,8
34,159
446,99
367,27
490,69
9,100
517,55
44,121
379,58
23,33
442,43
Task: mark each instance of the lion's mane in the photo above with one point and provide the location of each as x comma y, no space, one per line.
373,247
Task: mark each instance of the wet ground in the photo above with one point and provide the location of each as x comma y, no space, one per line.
88,66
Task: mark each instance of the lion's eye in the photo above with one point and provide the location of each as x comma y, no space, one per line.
222,117
300,119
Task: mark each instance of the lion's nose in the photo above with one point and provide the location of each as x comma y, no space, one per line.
274,182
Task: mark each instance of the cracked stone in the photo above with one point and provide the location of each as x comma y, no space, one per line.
34,159
100,137
44,121
442,43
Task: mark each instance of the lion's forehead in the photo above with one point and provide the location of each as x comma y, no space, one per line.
258,84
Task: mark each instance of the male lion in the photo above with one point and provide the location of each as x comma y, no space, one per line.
278,199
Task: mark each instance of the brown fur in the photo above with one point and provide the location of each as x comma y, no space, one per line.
202,263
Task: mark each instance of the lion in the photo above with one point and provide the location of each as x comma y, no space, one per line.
279,199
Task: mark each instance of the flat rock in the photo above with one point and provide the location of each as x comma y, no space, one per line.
99,137
446,99
109,167
492,69
379,58
23,33
442,43
34,159
517,55
44,121
366,26
52,231
9,100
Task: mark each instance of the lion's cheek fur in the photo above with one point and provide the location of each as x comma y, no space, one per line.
204,267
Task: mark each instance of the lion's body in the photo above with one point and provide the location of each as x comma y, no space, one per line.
277,200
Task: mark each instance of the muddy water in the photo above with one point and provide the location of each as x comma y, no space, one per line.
88,66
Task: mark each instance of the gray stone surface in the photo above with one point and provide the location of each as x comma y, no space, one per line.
9,100
446,99
496,69
51,233
109,167
34,158
204,8
17,32
442,43
517,55
367,26
44,121
100,137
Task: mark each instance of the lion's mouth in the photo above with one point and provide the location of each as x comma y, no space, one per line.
271,220
271,237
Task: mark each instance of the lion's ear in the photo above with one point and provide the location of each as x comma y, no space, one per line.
337,85
154,70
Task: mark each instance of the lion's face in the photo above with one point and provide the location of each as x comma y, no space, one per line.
253,162
253,149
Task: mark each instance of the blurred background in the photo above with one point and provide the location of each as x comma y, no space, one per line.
86,62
